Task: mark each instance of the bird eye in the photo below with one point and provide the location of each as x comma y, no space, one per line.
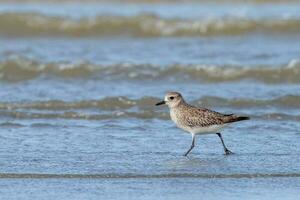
171,98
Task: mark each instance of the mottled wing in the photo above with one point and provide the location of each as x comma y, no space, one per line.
202,117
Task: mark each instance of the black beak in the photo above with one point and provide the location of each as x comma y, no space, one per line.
160,103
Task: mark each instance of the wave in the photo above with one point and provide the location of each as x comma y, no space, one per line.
122,107
35,125
73,115
18,69
142,176
284,101
11,125
154,1
109,103
35,24
83,116
147,103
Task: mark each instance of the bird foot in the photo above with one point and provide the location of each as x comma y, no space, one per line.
186,154
227,152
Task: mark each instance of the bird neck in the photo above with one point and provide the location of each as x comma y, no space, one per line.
179,105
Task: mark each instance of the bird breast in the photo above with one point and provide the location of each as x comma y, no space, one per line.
177,120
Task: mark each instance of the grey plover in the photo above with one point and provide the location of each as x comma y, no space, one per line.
198,121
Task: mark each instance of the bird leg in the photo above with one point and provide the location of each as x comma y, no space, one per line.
192,146
227,152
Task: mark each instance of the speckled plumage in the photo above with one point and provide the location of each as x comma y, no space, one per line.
185,115
190,117
197,120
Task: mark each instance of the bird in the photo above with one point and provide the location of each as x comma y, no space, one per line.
198,120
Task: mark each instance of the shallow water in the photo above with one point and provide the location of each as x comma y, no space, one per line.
78,84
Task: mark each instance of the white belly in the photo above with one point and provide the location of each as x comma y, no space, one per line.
207,130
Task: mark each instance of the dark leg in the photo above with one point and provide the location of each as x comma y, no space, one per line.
192,146
227,152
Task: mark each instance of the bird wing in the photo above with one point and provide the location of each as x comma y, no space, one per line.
202,117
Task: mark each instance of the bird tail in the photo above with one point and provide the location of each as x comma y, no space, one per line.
234,118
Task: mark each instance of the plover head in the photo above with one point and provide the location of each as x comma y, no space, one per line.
172,99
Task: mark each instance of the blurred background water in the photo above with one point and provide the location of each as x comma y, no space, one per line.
79,80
